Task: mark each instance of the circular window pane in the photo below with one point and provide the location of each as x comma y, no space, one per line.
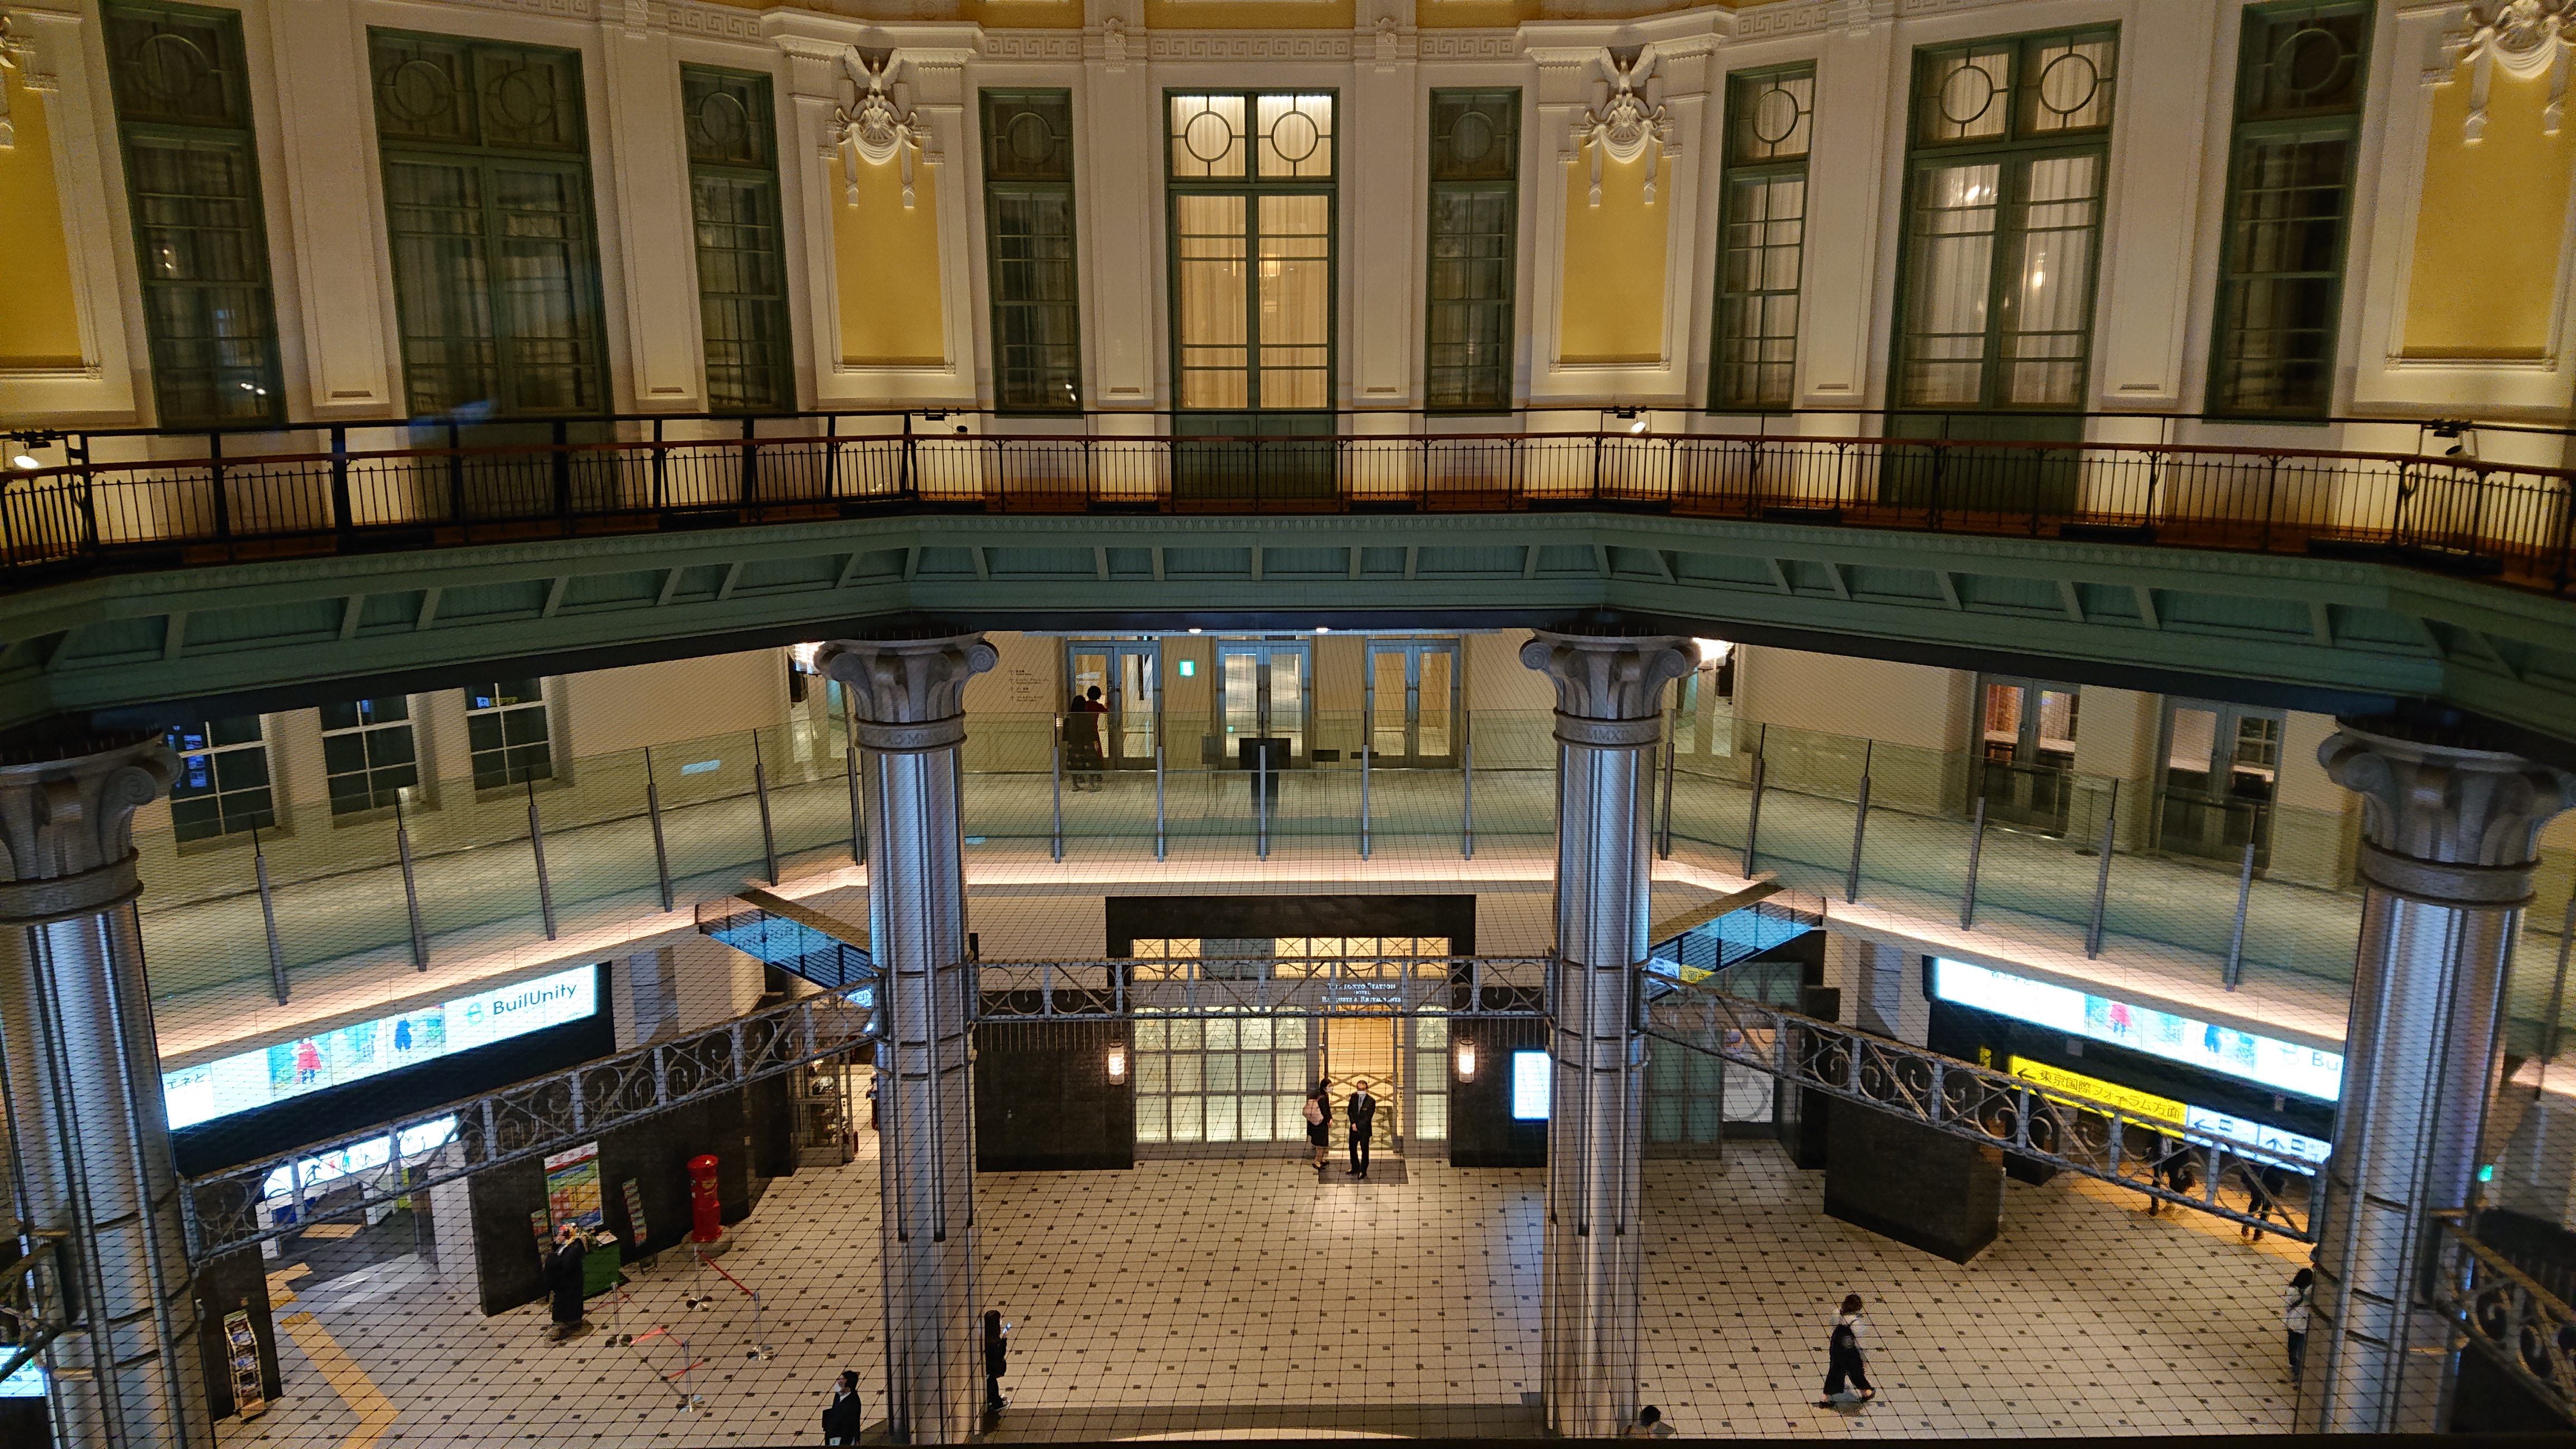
419,92
723,121
170,67
2069,84
1294,136
1471,137
1966,95
1775,116
1029,139
523,99
1207,137
2310,61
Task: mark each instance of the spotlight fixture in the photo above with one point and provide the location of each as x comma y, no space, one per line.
23,454
1635,417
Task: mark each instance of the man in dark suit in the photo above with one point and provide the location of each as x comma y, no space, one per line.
563,1280
1363,1114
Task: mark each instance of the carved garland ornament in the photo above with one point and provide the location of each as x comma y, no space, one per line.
15,53
1627,115
2526,37
880,125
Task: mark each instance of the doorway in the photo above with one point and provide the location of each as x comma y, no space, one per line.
1262,690
1413,703
2026,757
1361,1048
1126,673
2222,764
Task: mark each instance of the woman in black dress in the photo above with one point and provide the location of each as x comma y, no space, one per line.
997,1360
1319,1121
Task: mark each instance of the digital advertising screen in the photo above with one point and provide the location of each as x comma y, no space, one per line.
290,1069
2265,1061
1530,1074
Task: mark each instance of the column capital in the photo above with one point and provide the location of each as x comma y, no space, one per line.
2443,822
1609,687
67,825
907,695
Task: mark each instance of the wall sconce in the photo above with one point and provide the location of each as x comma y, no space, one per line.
1466,1061
1118,1063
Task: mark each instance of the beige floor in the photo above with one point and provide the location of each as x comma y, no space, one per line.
1239,1299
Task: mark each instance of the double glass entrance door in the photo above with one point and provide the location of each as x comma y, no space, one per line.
1413,703
1262,690
1124,673
2222,765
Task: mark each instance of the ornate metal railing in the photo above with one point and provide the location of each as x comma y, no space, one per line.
228,1210
2455,514
2504,1313
1309,986
35,1309
2151,1155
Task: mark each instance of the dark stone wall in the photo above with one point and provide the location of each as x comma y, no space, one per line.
1044,1101
1806,1123
230,1283
745,1128
1481,1130
315,1116
1924,1188
1159,917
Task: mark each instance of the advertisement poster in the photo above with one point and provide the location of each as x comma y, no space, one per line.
572,1187
2266,1061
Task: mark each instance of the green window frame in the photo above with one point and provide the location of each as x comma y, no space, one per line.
488,211
507,734
2001,248
1474,235
183,116
368,757
1031,274
2301,70
1254,222
742,259
223,786
1762,237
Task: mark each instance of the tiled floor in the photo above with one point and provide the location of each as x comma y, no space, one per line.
1240,1298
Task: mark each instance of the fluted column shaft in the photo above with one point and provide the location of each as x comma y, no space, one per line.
1608,692
907,708
81,1070
2446,860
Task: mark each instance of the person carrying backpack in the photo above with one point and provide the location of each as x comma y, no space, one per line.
1845,1362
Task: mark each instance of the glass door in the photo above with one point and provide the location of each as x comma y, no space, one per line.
2027,756
1124,672
1413,703
2222,764
1261,694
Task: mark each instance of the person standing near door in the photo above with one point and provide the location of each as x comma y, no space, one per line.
1362,1110
1319,1121
1083,738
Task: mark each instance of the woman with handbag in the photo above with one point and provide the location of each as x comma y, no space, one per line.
1319,1122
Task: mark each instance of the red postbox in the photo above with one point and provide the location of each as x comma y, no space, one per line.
705,1213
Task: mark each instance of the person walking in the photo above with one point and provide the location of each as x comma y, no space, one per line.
1650,1425
997,1360
1319,1122
845,1418
1846,1362
563,1282
1362,1110
2294,1318
2265,1185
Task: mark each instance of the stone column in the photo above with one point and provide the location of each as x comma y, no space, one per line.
82,1074
2446,859
1608,690
907,705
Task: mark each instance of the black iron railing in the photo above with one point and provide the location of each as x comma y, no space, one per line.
2459,515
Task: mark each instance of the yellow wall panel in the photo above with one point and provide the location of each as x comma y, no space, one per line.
2491,226
1472,14
1026,14
886,257
1613,290
1249,14
39,321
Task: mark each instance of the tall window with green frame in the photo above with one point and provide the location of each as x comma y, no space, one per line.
2003,222
1028,247
1251,181
487,200
1475,229
2300,71
1770,122
192,178
742,272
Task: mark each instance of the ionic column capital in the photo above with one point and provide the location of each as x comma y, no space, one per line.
1609,687
2443,822
67,827
907,695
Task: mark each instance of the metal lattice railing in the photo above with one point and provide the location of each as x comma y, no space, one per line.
1259,986
34,1309
230,1209
2505,1314
2164,1159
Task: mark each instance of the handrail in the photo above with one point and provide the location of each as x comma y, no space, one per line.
2512,523
2505,1313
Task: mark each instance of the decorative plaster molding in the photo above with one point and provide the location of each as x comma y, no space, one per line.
1113,40
1807,17
2527,38
1390,42
1627,118
1032,45
1227,45
721,22
1468,45
18,56
879,125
